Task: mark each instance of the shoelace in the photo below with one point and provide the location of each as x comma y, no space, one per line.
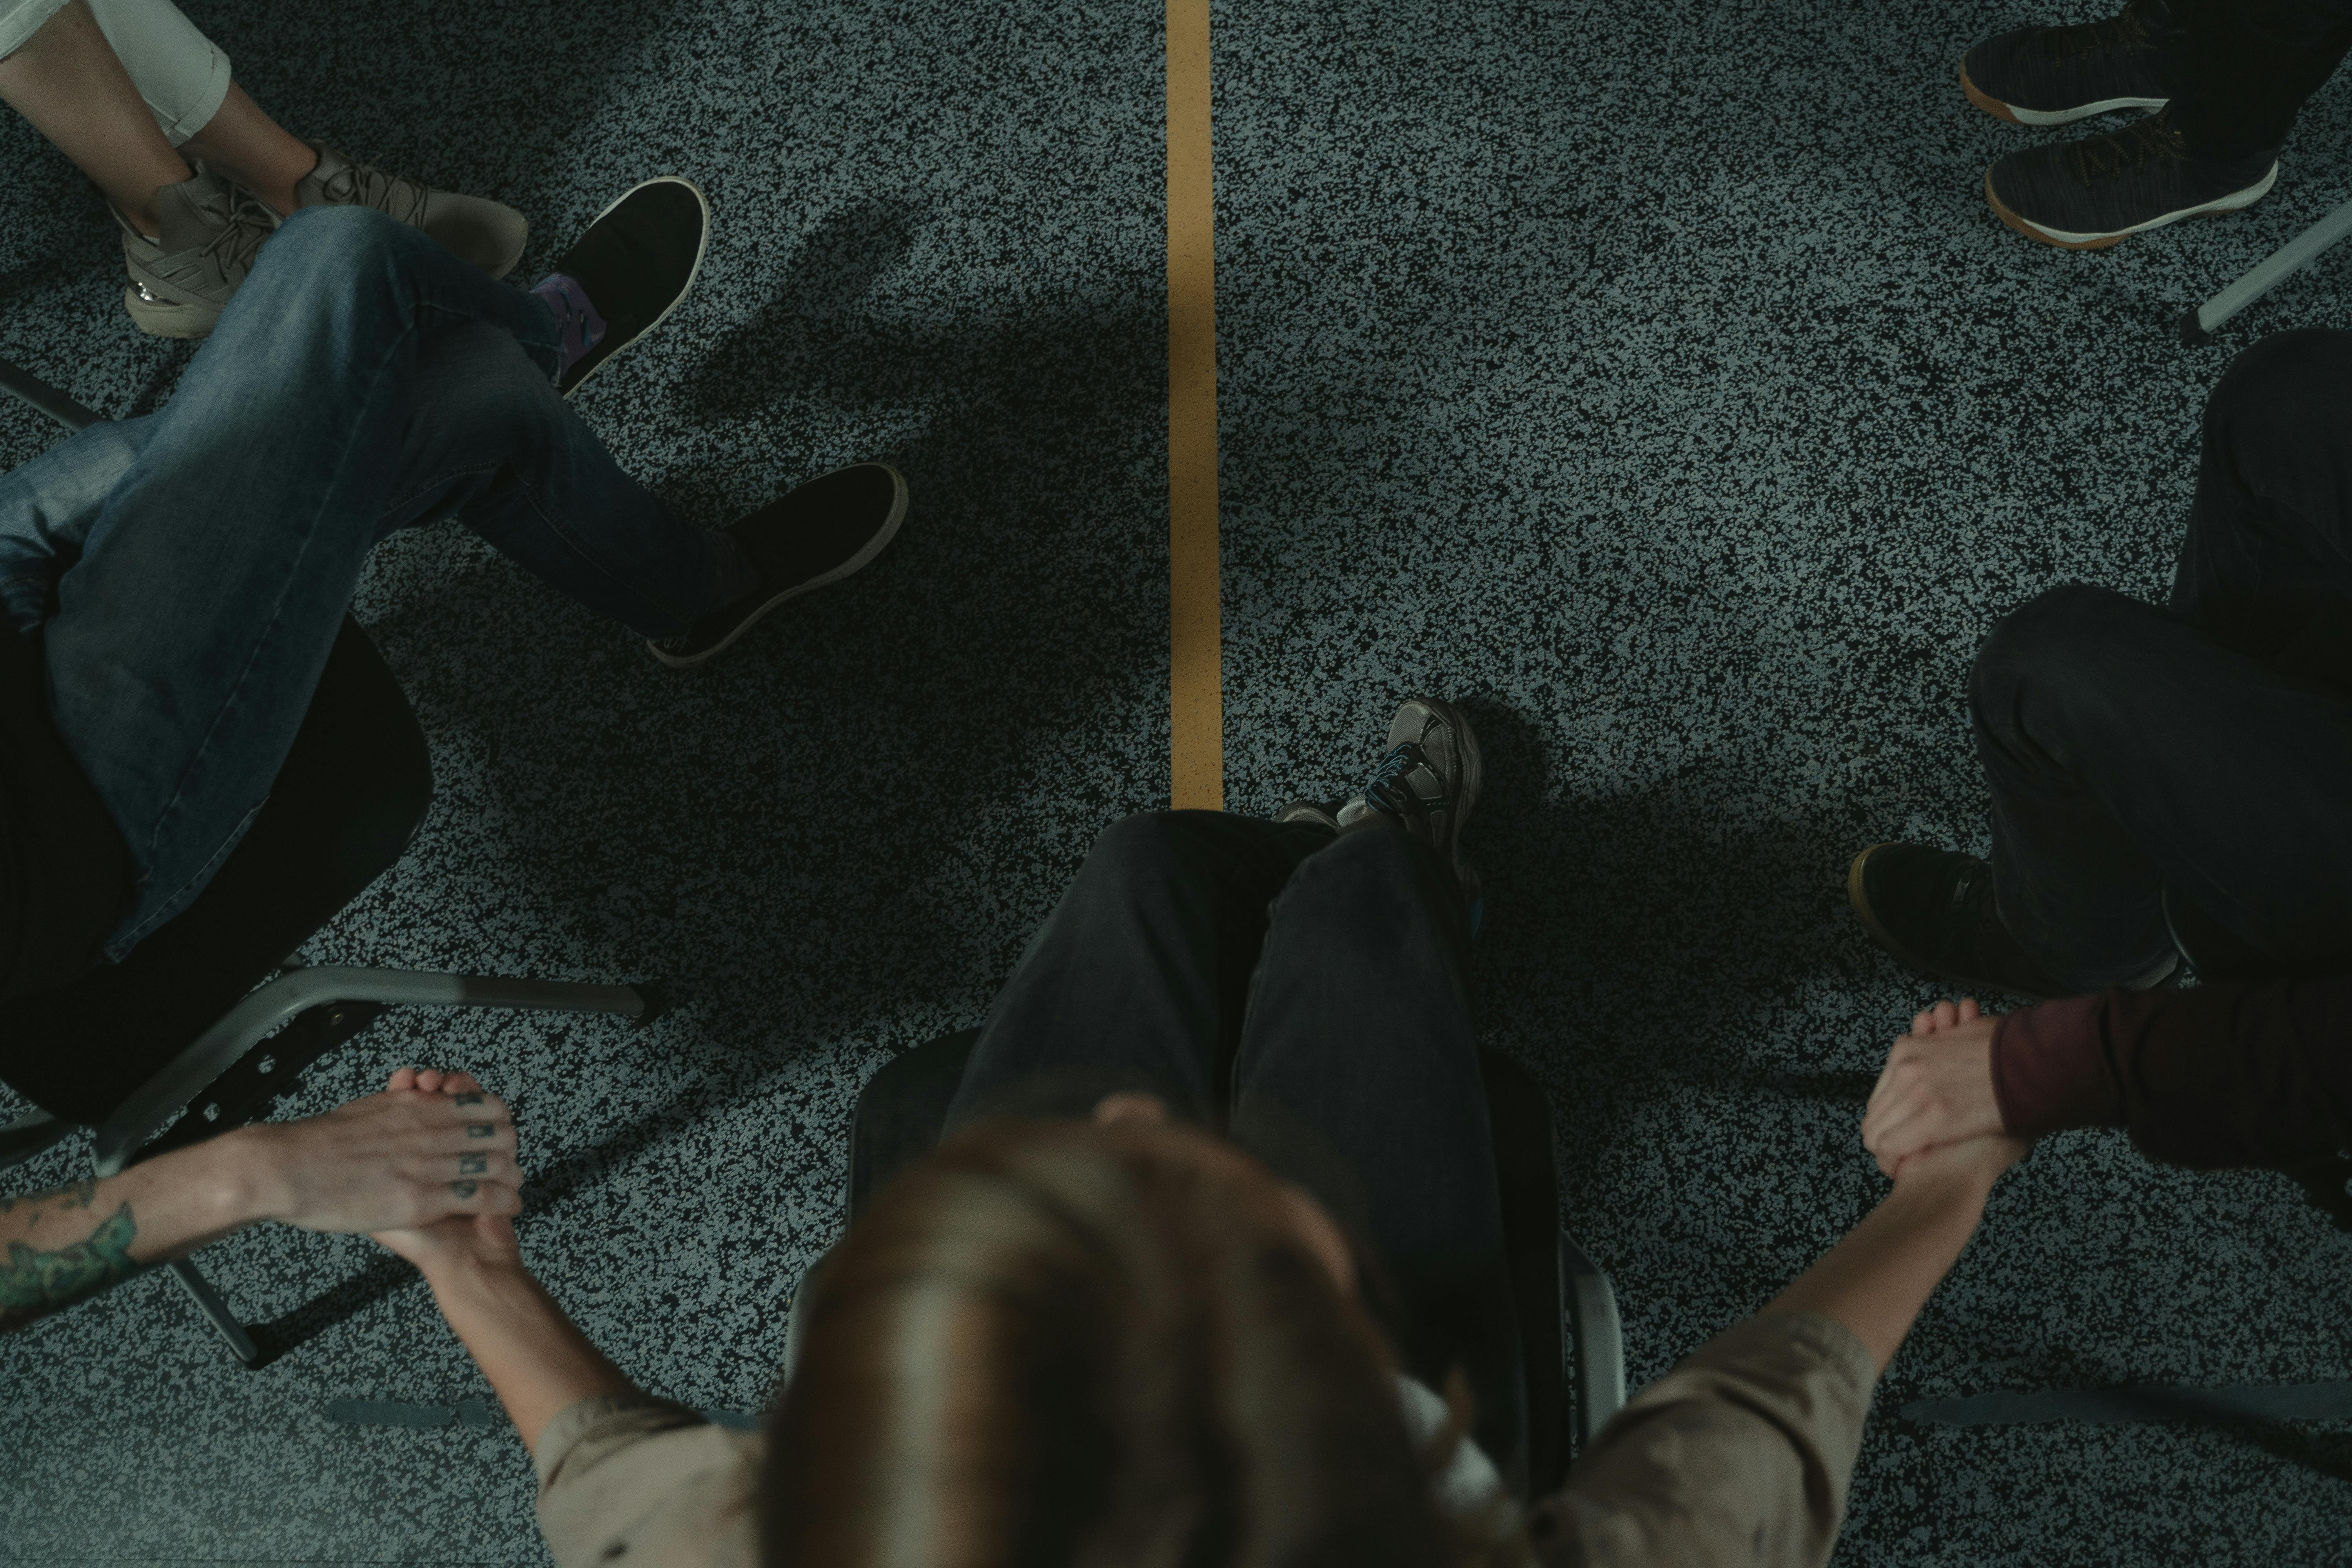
2125,31
364,185
1387,790
2134,147
251,221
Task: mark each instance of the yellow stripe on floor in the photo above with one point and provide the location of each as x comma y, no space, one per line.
1195,676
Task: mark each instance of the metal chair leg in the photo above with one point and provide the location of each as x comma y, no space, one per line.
211,1053
2200,323
208,1302
1600,1382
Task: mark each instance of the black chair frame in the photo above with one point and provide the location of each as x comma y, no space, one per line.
211,1018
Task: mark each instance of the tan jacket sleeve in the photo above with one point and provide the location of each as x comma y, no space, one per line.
628,1481
1742,1453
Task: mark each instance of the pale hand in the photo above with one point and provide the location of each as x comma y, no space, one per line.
1936,1089
432,1145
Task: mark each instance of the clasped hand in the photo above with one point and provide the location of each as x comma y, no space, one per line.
431,1146
1936,1091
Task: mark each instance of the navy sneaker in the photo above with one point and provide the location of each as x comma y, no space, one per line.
817,533
1933,909
2086,196
2055,76
1429,780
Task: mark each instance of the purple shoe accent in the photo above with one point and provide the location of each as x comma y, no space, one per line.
577,320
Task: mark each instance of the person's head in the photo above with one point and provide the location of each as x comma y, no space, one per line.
1118,1343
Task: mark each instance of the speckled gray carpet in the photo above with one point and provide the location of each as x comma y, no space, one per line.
1654,376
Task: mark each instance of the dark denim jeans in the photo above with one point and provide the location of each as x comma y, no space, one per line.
187,572
1308,998
2207,746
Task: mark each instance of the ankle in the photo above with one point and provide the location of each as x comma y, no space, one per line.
578,326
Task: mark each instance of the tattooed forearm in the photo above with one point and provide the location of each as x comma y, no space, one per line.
33,1283
77,1196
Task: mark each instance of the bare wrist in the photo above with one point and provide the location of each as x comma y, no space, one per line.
467,1278
245,1180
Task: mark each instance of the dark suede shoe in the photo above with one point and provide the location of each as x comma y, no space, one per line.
1933,909
635,262
2086,196
2055,76
817,533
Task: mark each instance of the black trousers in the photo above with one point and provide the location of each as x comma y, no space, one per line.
1308,998
2238,70
2206,746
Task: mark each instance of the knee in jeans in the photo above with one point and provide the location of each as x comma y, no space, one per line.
2059,638
327,248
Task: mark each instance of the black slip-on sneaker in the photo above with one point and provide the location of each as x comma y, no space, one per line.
2055,76
813,535
2086,196
1428,780
1933,909
635,262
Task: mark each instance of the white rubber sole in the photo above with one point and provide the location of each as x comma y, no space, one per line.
2234,201
162,318
857,562
2068,116
699,251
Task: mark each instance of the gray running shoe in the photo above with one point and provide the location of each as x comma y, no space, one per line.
180,282
489,233
1428,781
1323,813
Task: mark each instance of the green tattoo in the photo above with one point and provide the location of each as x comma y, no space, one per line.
77,1196
33,1284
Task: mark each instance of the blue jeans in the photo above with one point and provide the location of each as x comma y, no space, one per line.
2205,747
1310,1000
186,572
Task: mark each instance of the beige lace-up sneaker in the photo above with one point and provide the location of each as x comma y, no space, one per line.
489,233
180,280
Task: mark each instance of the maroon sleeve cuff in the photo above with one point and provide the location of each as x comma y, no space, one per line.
2048,1071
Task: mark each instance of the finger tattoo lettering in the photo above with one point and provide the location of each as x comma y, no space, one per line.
466,1099
464,1189
479,1129
473,1165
